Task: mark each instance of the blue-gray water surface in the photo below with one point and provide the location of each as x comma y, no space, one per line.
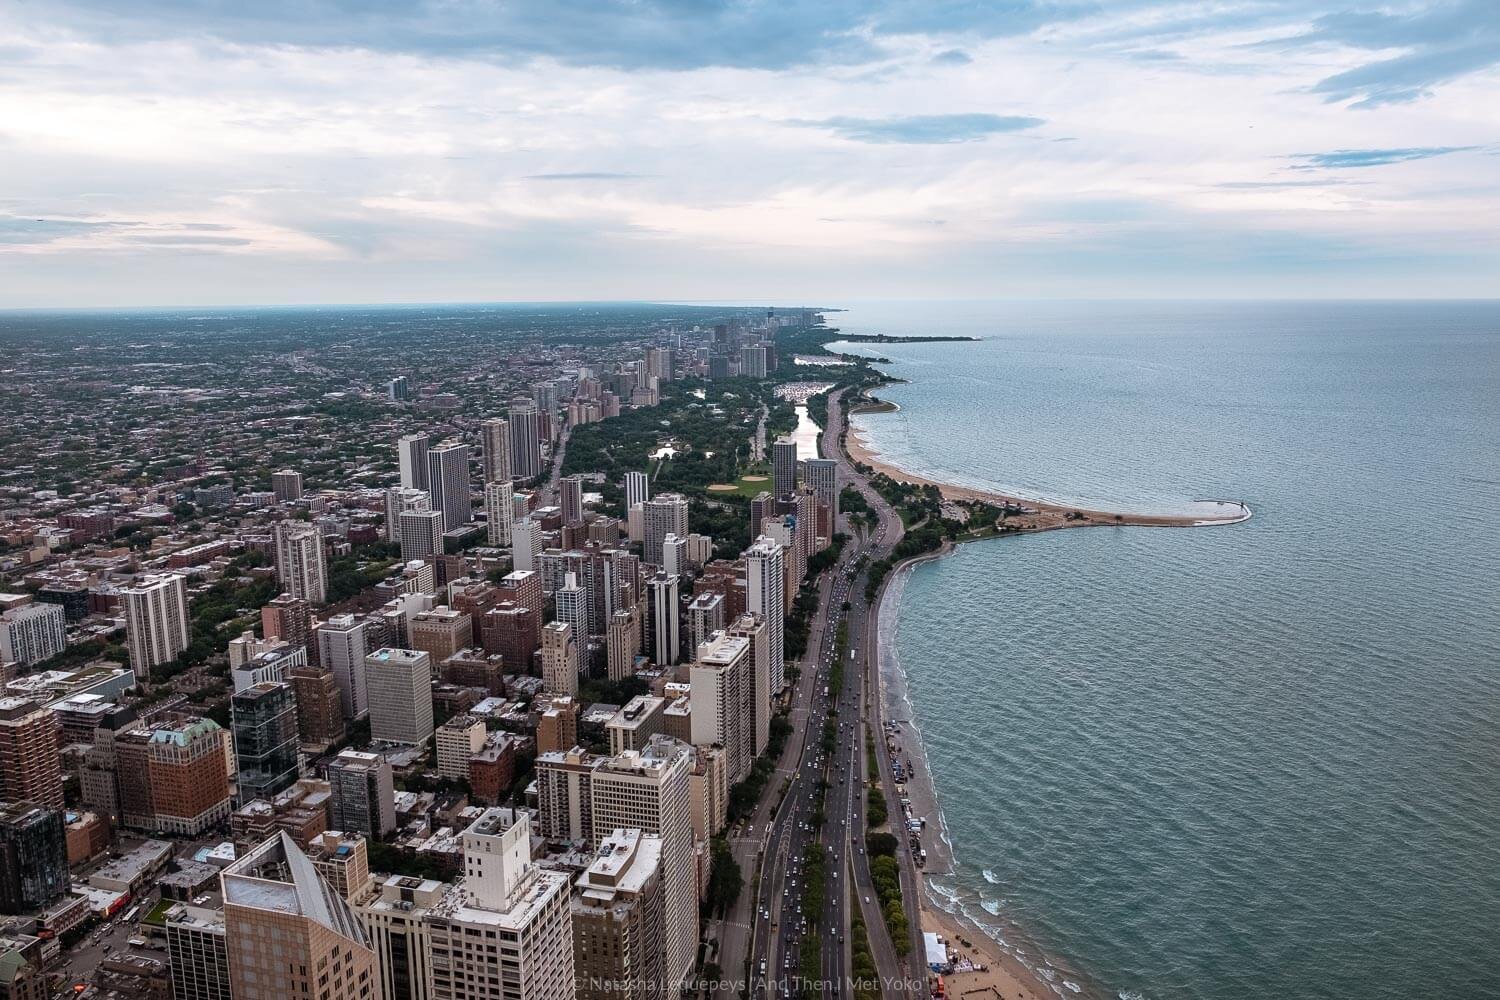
1257,761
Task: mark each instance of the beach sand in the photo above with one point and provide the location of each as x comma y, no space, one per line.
1003,976
1040,515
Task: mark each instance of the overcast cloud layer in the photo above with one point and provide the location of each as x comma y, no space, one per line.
200,152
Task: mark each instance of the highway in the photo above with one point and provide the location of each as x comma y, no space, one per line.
823,807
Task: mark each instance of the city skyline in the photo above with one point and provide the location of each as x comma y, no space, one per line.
177,155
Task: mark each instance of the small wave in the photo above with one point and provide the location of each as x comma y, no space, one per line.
991,906
1071,986
1130,995
991,877
945,891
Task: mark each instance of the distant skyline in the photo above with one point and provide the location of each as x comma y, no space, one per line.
174,152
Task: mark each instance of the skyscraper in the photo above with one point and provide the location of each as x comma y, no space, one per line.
362,793
618,920
649,791
420,533
505,899
448,482
263,720
494,440
399,685
499,510
33,633
674,554
753,361
637,489
752,627
665,618
156,620
186,773
559,659
664,514
287,485
573,607
784,467
289,935
30,767
720,685
822,479
411,455
571,490
197,952
397,500
525,543
33,857
301,565
525,439
621,644
765,595
343,642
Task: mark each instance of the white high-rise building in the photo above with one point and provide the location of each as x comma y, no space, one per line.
411,455
525,544
821,476
505,931
399,685
649,790
752,627
156,620
525,439
343,644
720,694
573,606
33,633
765,595
559,659
448,482
494,440
499,510
637,489
397,500
301,565
664,514
674,554
420,533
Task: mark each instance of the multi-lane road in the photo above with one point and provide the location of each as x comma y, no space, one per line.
821,813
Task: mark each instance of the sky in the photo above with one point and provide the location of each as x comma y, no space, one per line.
209,152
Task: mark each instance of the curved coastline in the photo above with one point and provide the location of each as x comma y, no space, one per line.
1039,515
1017,959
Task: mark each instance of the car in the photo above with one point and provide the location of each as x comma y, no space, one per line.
867,899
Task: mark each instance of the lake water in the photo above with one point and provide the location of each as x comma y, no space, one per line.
1258,761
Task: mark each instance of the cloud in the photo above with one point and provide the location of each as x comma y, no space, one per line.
1341,158
623,34
586,175
1439,42
953,57
923,129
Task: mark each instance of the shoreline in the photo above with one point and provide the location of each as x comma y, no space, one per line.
1009,972
1015,967
1038,515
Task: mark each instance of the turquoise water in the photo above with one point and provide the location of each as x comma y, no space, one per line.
1220,763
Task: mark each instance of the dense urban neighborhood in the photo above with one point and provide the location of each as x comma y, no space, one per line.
450,653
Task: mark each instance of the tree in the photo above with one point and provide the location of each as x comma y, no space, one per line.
724,877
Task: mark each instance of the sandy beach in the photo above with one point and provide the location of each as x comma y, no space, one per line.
1040,515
